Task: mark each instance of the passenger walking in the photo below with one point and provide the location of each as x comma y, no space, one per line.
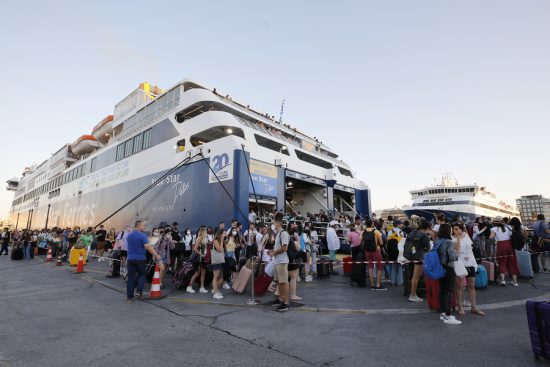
333,242
464,249
162,245
280,274
507,261
200,248
122,243
137,243
447,256
217,261
416,246
5,238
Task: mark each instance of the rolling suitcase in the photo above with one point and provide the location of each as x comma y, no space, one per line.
359,271
114,264
490,269
538,319
433,287
524,264
324,266
261,284
17,253
347,264
240,283
481,280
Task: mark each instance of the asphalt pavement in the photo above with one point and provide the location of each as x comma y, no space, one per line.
52,317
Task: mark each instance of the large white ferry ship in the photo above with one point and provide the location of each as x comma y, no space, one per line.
452,199
188,154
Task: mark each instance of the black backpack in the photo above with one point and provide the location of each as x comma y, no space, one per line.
369,241
518,241
291,251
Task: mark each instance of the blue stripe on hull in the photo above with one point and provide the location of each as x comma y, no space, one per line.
185,197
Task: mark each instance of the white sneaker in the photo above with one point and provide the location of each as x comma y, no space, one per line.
298,280
226,286
515,284
202,290
451,320
503,283
442,317
190,290
415,299
467,304
218,296
309,278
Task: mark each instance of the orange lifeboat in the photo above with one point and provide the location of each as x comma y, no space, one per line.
102,131
84,144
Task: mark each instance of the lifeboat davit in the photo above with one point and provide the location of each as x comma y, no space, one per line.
84,144
102,131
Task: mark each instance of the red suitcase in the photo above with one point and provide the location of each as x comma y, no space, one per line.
347,263
261,284
432,294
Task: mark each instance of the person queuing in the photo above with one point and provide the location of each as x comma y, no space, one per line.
416,246
137,243
447,255
507,261
463,246
5,237
280,275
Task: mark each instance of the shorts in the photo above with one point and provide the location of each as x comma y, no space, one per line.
164,259
215,267
101,246
280,273
374,257
471,272
123,253
292,267
545,247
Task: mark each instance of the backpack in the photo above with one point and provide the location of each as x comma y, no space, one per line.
302,244
291,251
393,245
368,241
432,265
518,241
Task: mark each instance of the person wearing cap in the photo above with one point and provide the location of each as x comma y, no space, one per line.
333,242
506,256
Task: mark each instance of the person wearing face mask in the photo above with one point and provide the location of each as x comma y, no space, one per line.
200,248
250,240
163,246
187,242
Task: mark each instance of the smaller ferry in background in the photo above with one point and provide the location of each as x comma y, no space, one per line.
466,201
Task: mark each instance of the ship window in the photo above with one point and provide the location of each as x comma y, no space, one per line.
93,164
347,172
128,148
271,144
146,139
137,143
215,133
313,160
120,152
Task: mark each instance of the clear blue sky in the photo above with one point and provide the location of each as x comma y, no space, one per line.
403,90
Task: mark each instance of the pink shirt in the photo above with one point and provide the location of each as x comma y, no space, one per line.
354,239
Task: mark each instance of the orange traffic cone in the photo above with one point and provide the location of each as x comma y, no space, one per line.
59,262
80,266
155,292
49,256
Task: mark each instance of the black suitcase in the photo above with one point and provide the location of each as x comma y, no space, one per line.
324,267
359,271
114,264
17,253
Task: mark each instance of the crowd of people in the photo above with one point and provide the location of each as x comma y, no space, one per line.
394,251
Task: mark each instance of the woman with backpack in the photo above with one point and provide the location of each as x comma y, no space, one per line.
416,246
506,256
163,245
294,262
371,242
446,251
463,245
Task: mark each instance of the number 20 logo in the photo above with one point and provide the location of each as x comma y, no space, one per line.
220,161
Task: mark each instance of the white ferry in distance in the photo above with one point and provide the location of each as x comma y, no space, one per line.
188,154
452,199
